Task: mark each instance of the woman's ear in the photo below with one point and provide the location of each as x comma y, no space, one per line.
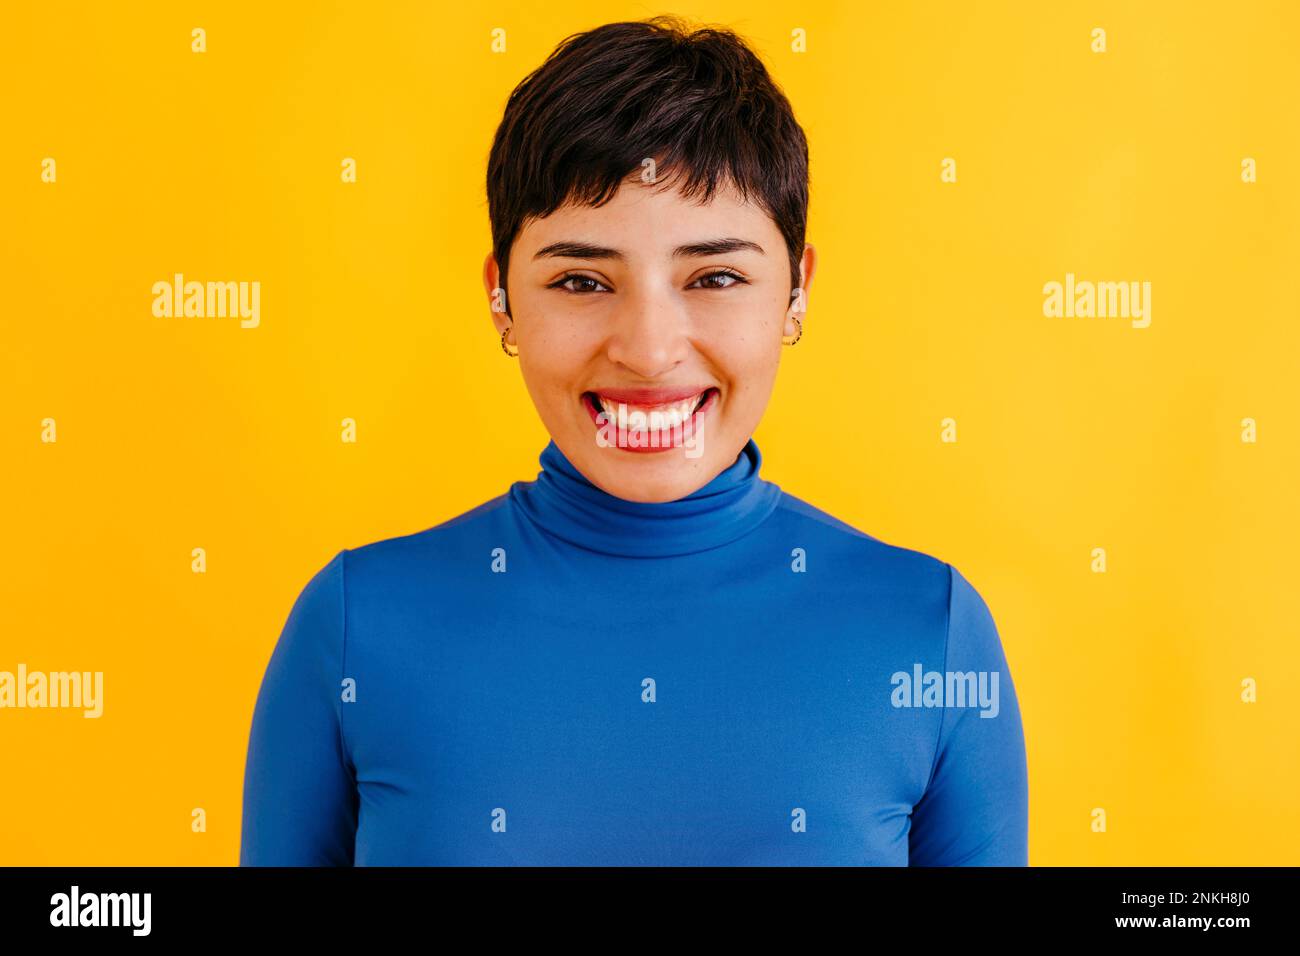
496,294
799,296
807,266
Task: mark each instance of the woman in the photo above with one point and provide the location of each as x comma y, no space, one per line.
650,654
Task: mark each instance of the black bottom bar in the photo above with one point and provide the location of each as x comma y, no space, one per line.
331,906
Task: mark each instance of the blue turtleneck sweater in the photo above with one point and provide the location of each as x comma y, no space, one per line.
563,677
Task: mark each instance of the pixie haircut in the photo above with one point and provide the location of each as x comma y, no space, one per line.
699,103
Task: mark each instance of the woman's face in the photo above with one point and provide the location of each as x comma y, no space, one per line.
658,304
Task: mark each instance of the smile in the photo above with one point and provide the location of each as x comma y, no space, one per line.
649,419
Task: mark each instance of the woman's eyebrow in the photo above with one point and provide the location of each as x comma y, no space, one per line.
717,247
577,250
584,250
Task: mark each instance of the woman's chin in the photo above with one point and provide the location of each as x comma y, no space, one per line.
663,475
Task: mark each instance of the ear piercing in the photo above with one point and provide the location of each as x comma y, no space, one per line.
504,347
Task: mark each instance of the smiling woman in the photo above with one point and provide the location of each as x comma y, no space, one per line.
650,299
649,655
668,259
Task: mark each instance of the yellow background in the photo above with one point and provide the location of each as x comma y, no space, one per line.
1072,433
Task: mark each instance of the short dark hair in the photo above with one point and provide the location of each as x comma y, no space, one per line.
699,103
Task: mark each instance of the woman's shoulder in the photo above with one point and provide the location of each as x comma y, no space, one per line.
879,566
448,541
851,546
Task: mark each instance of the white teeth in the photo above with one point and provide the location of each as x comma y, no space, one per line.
656,417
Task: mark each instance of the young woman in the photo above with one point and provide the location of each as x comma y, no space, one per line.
649,655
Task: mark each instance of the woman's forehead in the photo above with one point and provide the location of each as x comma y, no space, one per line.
643,218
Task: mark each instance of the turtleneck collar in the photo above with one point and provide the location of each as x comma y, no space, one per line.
566,504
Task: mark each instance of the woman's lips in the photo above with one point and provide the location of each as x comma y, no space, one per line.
629,410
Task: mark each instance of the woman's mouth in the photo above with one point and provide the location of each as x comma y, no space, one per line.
649,419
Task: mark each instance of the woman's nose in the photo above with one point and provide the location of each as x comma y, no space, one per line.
650,335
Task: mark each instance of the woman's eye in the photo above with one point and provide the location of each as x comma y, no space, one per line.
711,281
583,285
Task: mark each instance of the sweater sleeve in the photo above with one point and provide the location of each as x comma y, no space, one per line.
300,802
975,810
